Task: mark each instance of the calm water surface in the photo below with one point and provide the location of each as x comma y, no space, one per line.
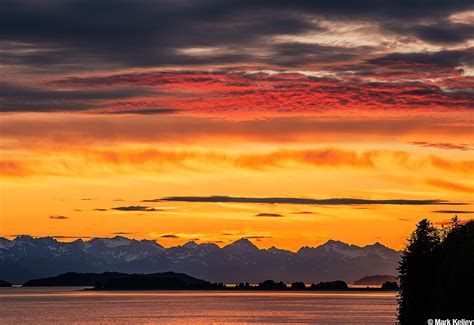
69,305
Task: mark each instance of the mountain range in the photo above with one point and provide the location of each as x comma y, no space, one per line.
25,258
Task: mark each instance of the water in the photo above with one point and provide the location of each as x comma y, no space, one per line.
69,305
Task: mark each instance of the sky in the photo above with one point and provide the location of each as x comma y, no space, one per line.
285,122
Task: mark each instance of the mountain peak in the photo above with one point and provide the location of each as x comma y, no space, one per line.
243,242
23,238
191,244
378,245
335,243
112,242
242,245
119,238
276,250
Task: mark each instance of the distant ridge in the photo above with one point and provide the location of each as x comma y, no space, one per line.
5,284
26,258
376,280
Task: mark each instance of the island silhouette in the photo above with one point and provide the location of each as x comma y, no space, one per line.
178,281
5,284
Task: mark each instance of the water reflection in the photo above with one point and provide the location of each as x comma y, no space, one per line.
72,305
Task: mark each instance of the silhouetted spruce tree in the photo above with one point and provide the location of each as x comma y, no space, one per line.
436,277
454,273
416,274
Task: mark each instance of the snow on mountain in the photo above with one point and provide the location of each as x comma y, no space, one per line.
5,243
236,262
346,250
112,242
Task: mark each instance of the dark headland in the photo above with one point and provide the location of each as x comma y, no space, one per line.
5,284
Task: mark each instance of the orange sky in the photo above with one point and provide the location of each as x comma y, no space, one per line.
104,116
66,175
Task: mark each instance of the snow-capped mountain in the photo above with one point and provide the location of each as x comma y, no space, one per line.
26,257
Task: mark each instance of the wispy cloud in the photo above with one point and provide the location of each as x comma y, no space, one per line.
461,166
136,208
169,236
403,219
56,217
257,237
453,211
304,212
155,160
444,145
301,201
139,111
274,215
14,168
451,186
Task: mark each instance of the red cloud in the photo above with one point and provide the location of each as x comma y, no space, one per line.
444,145
391,86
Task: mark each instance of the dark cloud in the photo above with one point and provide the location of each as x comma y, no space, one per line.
67,31
302,201
275,215
453,211
20,98
445,33
99,209
84,35
257,237
304,212
136,208
122,233
169,236
58,217
443,145
299,54
443,58
214,242
145,111
65,37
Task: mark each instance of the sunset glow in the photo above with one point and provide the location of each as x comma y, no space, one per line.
137,135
